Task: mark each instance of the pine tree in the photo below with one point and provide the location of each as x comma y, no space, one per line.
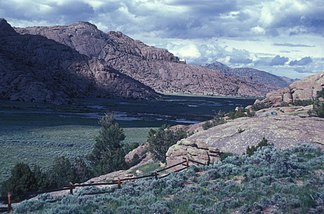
108,152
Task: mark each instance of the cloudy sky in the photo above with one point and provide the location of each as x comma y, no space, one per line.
284,37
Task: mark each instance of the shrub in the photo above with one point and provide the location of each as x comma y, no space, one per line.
108,153
283,181
250,150
21,181
318,108
217,120
241,112
162,139
303,102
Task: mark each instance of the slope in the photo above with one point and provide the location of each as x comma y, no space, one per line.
34,68
269,81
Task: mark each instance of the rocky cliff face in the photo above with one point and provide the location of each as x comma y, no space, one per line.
305,89
264,81
156,68
35,68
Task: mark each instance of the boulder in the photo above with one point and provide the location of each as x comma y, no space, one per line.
283,130
305,89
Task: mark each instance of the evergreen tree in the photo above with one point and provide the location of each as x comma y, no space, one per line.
22,180
108,152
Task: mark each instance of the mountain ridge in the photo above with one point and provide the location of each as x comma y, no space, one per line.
37,69
154,67
271,82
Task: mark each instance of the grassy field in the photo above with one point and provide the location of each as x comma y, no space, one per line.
40,145
37,133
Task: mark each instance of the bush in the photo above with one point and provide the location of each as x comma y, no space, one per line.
250,150
108,152
303,102
162,139
318,108
21,181
241,112
217,120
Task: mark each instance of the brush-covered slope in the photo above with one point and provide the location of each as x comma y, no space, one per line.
35,68
155,67
270,181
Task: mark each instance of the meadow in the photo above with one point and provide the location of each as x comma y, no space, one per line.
37,133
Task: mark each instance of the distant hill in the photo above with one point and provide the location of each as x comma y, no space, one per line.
154,67
253,76
35,68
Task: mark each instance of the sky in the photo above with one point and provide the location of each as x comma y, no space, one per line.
283,37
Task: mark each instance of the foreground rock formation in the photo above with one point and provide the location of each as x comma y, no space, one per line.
284,130
37,69
283,126
154,67
305,89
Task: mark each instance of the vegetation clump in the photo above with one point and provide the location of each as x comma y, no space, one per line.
318,105
283,181
108,152
162,139
107,156
250,150
219,118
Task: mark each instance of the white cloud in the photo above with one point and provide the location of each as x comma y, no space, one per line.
199,31
258,30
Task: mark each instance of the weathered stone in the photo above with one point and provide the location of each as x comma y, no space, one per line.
280,127
305,89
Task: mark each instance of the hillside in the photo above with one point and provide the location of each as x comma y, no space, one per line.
269,81
34,68
154,67
269,181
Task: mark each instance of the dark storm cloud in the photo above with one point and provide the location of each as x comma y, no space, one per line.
302,61
279,60
299,17
240,57
51,12
179,18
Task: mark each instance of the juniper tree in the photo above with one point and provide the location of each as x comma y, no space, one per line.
108,152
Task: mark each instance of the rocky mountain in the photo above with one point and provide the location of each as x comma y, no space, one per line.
154,67
305,89
35,68
269,81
